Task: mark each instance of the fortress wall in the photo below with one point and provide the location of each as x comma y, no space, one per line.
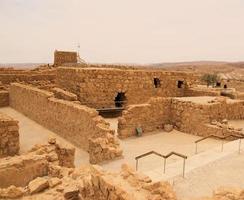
97,87
78,124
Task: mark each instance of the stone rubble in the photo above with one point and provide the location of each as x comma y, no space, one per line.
9,136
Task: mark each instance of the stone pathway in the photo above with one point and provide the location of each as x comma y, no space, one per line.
226,172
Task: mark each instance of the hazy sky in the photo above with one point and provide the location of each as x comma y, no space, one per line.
142,31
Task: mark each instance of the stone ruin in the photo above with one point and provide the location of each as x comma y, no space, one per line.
65,100
47,172
9,136
65,57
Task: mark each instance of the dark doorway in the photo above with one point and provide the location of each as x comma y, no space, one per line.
225,86
156,82
120,99
180,84
218,84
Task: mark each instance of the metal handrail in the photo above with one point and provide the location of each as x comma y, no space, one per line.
165,157
222,138
176,154
147,154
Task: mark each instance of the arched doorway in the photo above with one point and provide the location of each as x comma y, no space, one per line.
120,99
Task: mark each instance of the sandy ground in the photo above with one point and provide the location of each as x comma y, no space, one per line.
227,172
161,142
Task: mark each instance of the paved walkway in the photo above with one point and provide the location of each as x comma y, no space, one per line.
226,172
176,169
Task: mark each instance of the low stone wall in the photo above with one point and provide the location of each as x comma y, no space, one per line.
4,98
196,91
78,124
62,94
150,117
183,113
9,136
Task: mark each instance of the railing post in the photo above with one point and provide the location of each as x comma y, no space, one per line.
239,146
196,148
184,165
136,164
164,165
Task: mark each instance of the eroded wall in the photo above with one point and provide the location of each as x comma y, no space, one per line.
78,124
98,87
61,57
4,98
185,115
9,136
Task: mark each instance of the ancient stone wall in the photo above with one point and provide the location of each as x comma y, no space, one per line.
150,117
9,136
99,87
184,114
195,91
27,76
78,124
62,57
62,94
4,98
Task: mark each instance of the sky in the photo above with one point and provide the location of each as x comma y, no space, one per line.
122,31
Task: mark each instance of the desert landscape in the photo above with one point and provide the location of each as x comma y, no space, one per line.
74,130
121,100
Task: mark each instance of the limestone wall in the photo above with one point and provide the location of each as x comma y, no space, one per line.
150,117
7,77
98,87
78,124
61,57
9,136
196,91
186,115
4,98
20,170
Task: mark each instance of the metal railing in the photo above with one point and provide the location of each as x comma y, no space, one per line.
222,138
165,157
